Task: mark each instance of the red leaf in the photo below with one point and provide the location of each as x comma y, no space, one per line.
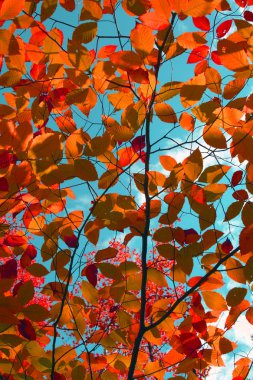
138,76
31,251
17,287
154,21
191,236
71,241
91,273
138,143
227,246
193,281
240,195
201,67
1,61
199,324
198,54
248,16
4,186
9,269
143,156
58,376
246,239
196,299
32,211
5,159
202,23
223,28
14,241
198,194
236,178
26,329
190,343
60,93
38,71
215,57
125,156
106,51
241,3
25,260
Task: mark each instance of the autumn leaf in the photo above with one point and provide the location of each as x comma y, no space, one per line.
26,329
202,23
223,28
198,54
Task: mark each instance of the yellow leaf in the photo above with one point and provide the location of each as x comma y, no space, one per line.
75,143
193,165
85,170
53,41
214,301
214,191
92,230
213,80
232,55
85,33
168,91
191,40
156,277
168,162
235,270
214,137
142,39
121,100
165,113
91,10
187,121
89,293
98,145
233,88
214,173
47,9
192,91
199,8
5,38
131,302
126,60
109,178
10,9
105,254
235,296
47,146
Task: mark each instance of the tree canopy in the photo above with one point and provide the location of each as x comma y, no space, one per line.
126,182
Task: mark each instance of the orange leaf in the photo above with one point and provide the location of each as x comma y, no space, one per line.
214,301
9,9
126,156
198,54
154,20
165,113
142,39
126,60
187,121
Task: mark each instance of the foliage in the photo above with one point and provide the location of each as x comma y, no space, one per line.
126,176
